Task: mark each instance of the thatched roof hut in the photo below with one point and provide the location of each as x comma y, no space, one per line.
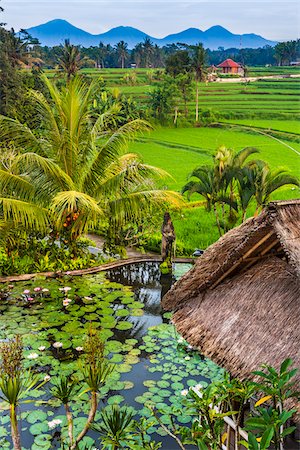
240,303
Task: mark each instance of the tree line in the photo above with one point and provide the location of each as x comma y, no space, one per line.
145,54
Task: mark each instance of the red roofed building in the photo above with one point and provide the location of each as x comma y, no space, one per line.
230,66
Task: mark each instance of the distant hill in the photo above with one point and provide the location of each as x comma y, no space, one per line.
56,31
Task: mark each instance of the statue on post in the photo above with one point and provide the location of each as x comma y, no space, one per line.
167,248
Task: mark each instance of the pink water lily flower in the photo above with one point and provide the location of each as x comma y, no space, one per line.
27,291
37,289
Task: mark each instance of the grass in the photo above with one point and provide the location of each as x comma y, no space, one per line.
180,150
266,104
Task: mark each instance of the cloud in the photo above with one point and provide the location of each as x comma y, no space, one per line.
159,18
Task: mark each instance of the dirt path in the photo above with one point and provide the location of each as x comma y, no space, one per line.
131,251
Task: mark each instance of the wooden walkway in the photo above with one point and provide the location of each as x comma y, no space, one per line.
107,266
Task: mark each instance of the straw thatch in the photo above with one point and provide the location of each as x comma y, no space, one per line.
240,303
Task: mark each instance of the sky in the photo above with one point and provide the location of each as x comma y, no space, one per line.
272,19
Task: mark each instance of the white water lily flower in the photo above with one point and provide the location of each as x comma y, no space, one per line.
57,344
42,348
66,301
187,358
184,392
79,349
47,378
197,390
180,340
27,291
88,298
32,356
53,423
65,289
45,290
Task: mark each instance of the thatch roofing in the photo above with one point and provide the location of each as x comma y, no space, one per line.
240,303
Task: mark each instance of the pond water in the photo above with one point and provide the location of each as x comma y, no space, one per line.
153,363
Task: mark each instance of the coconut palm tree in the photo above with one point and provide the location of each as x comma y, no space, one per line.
198,63
122,52
148,50
73,171
70,60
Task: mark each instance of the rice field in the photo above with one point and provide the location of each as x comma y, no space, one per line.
244,110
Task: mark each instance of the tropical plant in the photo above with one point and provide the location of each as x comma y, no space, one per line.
270,423
267,180
148,50
64,389
198,63
235,182
115,426
122,52
95,369
15,383
74,171
70,60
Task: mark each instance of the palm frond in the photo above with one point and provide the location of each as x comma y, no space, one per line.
136,204
32,162
12,130
112,149
16,185
127,174
24,213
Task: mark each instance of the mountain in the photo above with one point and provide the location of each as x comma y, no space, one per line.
128,34
56,31
189,36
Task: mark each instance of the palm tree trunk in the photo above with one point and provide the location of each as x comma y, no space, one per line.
15,435
122,62
90,420
197,100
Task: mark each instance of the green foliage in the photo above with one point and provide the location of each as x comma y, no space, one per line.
64,388
233,182
115,426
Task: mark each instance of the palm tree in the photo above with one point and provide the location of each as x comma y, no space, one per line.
70,60
198,64
122,52
266,181
148,50
220,184
74,171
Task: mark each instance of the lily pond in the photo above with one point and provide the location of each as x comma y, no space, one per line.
152,362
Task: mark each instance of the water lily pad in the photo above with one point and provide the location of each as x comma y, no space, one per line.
39,428
115,399
36,416
124,325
